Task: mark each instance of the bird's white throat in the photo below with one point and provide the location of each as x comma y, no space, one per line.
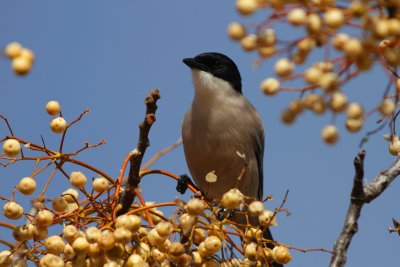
208,87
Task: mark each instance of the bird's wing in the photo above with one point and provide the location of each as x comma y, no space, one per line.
259,152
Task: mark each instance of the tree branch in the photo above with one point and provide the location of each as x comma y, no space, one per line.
137,154
360,195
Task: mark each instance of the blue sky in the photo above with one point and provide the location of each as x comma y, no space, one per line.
108,56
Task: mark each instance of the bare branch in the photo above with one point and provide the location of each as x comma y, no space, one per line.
360,195
137,154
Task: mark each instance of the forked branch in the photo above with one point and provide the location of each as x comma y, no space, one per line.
360,195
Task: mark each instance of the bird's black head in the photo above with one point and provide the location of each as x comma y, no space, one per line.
218,65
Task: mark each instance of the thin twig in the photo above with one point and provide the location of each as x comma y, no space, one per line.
8,124
86,111
161,153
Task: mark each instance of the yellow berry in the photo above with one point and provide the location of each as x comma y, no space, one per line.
306,45
164,228
296,106
159,256
203,251
187,222
355,111
284,67
92,234
195,206
28,54
316,104
300,57
21,65
100,184
249,43
246,7
266,38
59,204
380,28
387,107
364,63
338,101
297,16
236,31
357,8
252,234
77,179
329,81
267,218
80,245
250,251
270,86
106,240
6,258
58,125
256,208
51,260
27,231
164,247
313,75
213,244
53,107
198,236
354,125
154,238
314,23
27,186
397,86
353,48
281,255
13,210
266,52
232,199
197,258
176,249
70,195
44,218
288,116
11,147
41,234
394,146
55,245
339,40
135,260
394,26
13,50
130,222
68,252
324,66
334,18
330,134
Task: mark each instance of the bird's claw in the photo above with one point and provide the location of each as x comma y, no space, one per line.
182,184
224,213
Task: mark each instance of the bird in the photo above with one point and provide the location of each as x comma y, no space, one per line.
219,126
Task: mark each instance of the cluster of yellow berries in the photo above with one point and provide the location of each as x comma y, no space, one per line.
21,58
58,125
127,242
323,23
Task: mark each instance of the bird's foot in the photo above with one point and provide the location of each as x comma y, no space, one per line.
224,213
183,183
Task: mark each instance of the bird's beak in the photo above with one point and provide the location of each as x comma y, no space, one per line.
192,63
